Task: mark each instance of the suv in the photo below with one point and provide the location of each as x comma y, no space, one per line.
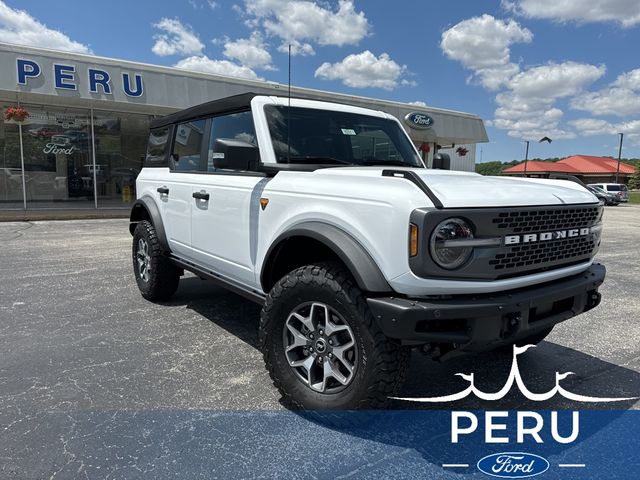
326,216
619,189
606,197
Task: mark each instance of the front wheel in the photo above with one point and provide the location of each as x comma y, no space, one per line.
322,346
156,276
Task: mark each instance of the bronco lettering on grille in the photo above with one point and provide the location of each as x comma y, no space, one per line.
546,236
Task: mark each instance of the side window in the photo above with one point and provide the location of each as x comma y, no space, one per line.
234,126
187,146
157,147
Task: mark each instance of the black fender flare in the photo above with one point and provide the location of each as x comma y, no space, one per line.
362,267
148,205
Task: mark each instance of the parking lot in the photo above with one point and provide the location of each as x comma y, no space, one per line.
96,382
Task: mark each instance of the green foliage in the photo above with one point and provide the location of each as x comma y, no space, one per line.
634,181
490,168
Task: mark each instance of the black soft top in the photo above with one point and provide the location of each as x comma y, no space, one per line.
231,104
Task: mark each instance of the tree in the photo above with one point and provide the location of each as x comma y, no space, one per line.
489,168
634,181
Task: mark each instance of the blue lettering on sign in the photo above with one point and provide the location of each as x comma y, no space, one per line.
62,74
126,85
513,465
65,78
99,77
26,69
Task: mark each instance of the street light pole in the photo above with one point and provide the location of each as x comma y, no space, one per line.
619,155
526,158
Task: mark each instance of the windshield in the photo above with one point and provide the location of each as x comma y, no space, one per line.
340,138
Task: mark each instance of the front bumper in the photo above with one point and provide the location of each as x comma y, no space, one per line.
483,322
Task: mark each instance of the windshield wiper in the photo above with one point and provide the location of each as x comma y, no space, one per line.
318,160
379,161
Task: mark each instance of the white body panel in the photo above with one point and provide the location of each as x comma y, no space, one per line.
231,234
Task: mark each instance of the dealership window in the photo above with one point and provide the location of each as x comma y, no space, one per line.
57,158
121,143
10,168
59,166
235,126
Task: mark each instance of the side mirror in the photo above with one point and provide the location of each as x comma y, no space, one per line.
442,161
229,154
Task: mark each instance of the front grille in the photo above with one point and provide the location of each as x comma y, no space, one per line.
565,250
548,219
529,255
542,255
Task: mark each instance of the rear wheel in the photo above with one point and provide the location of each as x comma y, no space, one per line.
323,348
156,276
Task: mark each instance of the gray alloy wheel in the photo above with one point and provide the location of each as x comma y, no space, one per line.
320,347
144,260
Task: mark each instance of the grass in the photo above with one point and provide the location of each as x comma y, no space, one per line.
634,197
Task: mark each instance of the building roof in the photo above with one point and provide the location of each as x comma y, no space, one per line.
580,164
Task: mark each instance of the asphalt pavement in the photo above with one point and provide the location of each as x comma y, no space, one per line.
96,382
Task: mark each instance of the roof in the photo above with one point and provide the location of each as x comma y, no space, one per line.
231,104
580,164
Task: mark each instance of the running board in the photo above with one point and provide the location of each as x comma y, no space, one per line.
220,280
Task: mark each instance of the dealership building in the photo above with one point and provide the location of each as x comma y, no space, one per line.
84,140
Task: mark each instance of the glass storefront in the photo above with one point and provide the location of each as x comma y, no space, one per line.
59,166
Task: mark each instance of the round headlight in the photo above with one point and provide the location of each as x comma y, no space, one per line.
443,243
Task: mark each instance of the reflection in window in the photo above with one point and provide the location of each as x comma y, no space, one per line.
236,126
187,147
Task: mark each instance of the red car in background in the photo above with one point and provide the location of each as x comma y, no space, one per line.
43,132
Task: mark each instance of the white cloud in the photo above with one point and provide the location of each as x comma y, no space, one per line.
250,52
178,39
213,5
297,48
17,26
219,67
555,80
625,12
527,110
621,98
590,127
482,44
364,70
305,21
629,80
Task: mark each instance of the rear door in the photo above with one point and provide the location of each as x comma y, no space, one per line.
185,163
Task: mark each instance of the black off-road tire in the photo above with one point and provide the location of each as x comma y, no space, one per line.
381,363
162,277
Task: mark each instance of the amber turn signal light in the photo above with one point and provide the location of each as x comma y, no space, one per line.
413,240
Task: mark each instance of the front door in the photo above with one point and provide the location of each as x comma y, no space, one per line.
225,216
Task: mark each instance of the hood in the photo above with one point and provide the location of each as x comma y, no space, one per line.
467,190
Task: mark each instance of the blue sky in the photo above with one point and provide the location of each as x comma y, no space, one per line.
567,69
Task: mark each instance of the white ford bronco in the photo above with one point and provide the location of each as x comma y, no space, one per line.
326,215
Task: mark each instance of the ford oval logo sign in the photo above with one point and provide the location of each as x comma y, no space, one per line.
513,465
418,120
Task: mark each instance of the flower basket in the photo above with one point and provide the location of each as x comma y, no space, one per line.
17,114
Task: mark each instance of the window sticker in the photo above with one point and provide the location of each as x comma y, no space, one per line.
348,131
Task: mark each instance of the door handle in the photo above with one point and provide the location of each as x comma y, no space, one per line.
201,195
163,190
